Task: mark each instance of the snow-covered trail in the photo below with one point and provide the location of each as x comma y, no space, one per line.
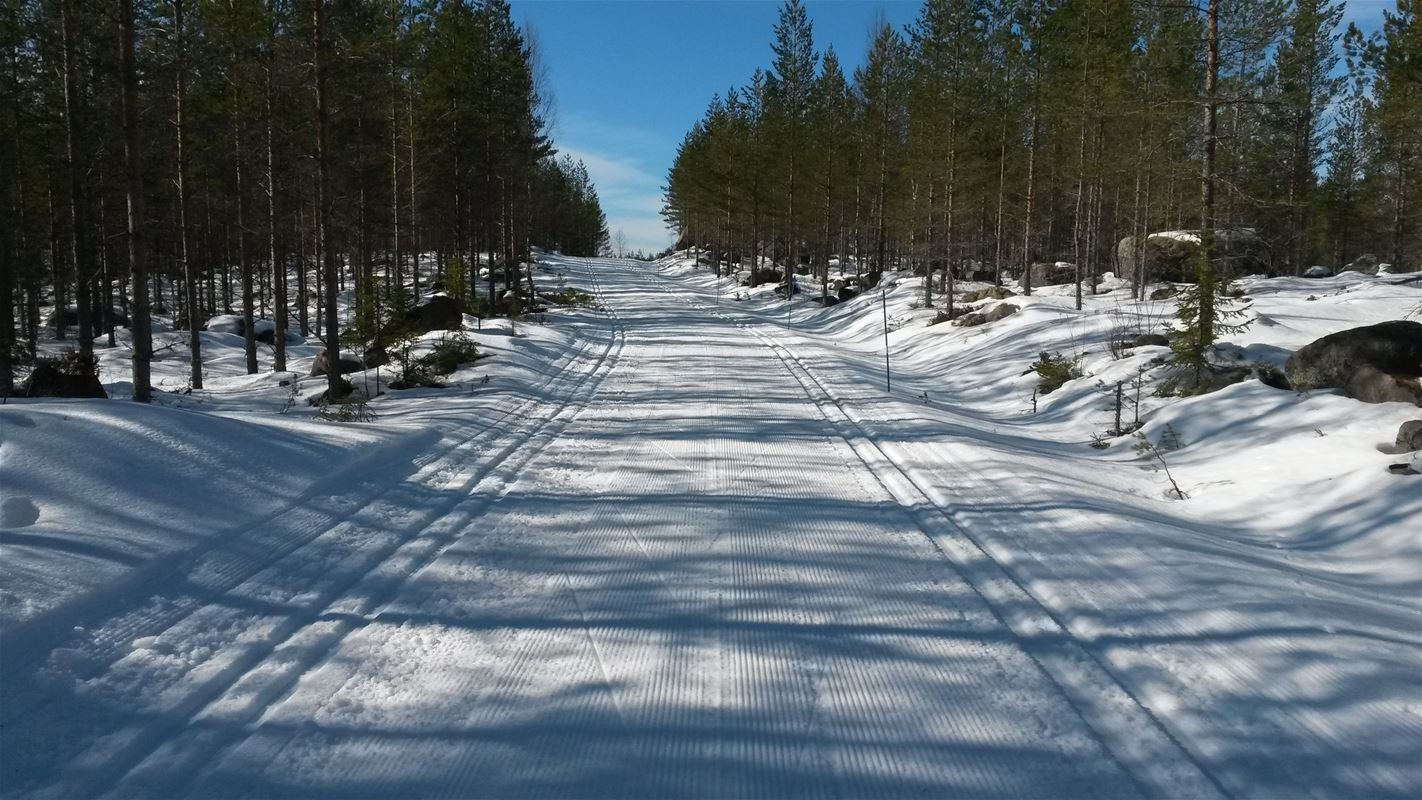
692,566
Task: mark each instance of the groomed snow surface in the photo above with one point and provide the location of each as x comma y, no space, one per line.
676,547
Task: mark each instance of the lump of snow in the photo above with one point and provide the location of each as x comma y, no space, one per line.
226,323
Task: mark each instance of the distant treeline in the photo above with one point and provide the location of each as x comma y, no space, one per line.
990,135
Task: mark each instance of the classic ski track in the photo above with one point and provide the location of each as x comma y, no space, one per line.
314,656
1263,726
777,670
799,688
129,747
814,674
1192,722
838,664
1168,766
603,527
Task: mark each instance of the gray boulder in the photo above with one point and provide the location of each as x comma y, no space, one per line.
1001,311
1191,382
990,293
266,333
1371,385
1318,271
441,313
50,379
346,364
1367,263
945,316
1151,340
1173,255
70,318
1053,274
1409,437
226,323
1390,351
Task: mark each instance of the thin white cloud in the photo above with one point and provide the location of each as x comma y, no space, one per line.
611,172
630,192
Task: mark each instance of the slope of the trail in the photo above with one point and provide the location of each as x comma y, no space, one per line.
1271,620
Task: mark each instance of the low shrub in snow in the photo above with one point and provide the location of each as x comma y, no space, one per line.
570,298
453,351
1055,369
352,408
423,370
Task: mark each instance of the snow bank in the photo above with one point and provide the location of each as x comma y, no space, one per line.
118,487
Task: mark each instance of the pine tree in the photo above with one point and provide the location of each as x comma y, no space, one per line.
1395,60
1305,87
139,318
880,88
790,88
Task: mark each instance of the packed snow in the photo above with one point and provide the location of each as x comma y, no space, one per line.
685,543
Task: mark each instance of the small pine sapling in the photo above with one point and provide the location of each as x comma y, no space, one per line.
352,408
1154,453
291,395
1205,313
1055,369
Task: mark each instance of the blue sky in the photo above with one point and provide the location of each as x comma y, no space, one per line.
629,77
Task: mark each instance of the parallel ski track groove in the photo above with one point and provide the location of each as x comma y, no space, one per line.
1037,644
318,658
1220,660
232,560
141,743
834,661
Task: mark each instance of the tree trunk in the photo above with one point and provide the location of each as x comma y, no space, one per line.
185,265
79,253
397,278
1204,270
950,192
243,261
1001,195
414,208
303,298
323,204
139,321
278,264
